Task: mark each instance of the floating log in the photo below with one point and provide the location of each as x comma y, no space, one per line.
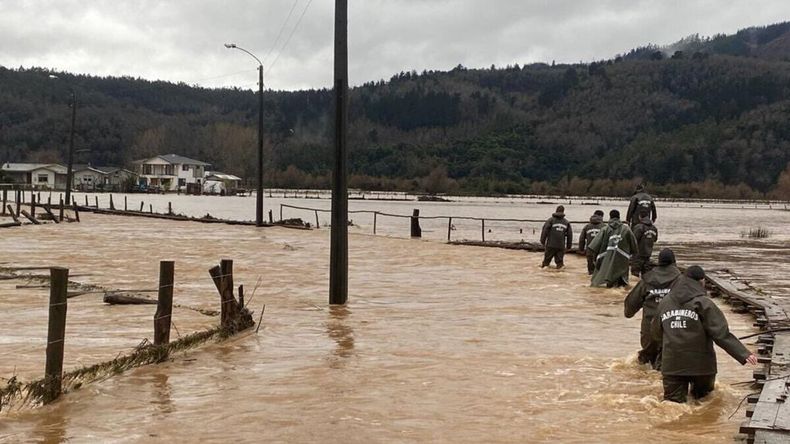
123,299
51,215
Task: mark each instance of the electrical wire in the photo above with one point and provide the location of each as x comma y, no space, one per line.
282,28
293,31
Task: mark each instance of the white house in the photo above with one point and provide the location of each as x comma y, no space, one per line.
103,178
49,176
171,172
221,183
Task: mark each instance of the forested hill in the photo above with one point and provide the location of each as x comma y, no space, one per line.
701,122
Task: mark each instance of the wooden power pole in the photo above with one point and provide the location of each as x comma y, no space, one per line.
338,260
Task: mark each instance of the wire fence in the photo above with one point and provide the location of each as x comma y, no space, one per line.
438,226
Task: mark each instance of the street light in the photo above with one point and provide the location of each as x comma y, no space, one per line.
259,195
70,164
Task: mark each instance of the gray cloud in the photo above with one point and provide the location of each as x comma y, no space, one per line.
182,40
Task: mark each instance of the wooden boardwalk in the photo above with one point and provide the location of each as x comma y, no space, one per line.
768,414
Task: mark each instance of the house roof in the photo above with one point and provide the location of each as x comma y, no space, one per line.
221,176
101,169
28,167
174,159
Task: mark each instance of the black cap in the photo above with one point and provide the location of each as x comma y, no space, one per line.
695,272
614,214
598,213
666,257
560,209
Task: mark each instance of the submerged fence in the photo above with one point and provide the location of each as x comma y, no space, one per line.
460,224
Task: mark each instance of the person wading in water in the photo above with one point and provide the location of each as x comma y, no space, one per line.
613,248
588,234
687,324
556,237
646,296
641,205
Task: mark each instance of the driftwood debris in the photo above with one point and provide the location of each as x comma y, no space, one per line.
113,298
30,217
233,317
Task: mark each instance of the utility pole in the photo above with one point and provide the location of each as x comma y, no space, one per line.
70,166
259,195
338,256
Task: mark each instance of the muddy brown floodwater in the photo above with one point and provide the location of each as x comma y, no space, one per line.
437,343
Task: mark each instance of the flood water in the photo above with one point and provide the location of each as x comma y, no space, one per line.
437,343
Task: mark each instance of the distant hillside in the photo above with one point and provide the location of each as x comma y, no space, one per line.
770,42
712,120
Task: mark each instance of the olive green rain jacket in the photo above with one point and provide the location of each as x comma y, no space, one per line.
613,248
688,323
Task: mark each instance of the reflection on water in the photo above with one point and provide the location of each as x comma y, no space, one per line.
437,343
341,332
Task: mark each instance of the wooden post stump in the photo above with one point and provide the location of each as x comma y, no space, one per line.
53,375
416,231
164,307
170,208
141,206
150,208
223,280
271,217
13,215
125,207
5,200
241,296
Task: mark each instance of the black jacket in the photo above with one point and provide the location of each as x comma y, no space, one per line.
689,323
556,232
646,235
590,231
651,289
641,202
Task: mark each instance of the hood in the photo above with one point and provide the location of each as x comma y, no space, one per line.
596,219
615,223
558,215
687,289
659,276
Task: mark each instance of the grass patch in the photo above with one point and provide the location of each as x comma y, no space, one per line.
756,233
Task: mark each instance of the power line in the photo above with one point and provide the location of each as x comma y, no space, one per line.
282,28
293,31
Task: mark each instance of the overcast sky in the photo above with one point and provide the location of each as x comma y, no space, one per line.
182,40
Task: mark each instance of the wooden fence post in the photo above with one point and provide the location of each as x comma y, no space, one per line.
125,207
164,306
223,280
271,216
13,214
5,199
112,205
170,208
375,213
60,212
33,205
96,201
316,219
76,213
483,229
449,227
86,200
18,202
241,296
53,375
150,208
416,231
141,206
281,212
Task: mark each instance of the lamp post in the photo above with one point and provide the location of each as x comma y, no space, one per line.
259,194
70,164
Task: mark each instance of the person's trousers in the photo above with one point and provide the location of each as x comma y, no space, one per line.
558,254
676,388
640,265
590,262
651,349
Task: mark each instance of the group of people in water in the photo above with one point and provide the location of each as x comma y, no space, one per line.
680,323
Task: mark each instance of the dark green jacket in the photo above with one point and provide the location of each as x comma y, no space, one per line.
613,248
646,295
646,235
641,203
590,231
688,323
556,232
